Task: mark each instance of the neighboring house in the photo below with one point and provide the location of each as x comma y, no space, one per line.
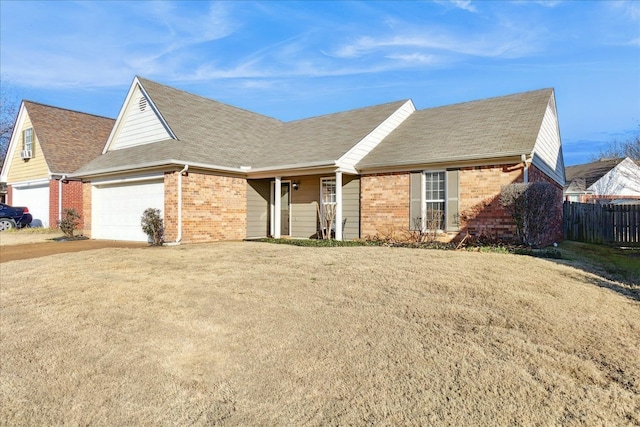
218,172
46,146
605,179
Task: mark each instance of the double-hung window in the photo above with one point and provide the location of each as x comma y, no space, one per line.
28,139
435,198
328,202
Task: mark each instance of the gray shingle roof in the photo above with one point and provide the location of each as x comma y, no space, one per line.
219,135
216,134
68,139
581,177
488,128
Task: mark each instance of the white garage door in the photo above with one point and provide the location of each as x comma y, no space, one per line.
37,200
116,209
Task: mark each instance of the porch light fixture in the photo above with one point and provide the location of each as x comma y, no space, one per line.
295,185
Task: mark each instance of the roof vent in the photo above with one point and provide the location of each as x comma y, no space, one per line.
142,103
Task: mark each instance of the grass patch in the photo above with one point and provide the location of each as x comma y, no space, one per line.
622,264
34,230
256,334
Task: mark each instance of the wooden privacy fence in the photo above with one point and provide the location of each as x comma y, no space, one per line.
604,224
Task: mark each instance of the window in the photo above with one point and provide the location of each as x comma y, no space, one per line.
28,139
328,202
434,200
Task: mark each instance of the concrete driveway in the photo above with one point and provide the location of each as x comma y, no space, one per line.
18,251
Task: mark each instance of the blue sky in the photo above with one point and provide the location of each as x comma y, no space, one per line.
292,60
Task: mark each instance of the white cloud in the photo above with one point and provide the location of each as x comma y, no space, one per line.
458,4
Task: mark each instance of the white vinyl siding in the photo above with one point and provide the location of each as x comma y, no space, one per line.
547,152
140,125
117,209
368,143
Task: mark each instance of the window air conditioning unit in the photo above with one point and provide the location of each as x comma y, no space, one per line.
26,154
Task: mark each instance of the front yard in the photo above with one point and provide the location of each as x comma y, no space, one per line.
260,334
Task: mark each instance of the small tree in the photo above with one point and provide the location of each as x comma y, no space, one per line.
69,222
532,207
153,226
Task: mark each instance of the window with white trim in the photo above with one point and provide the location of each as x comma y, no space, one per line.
28,139
328,202
435,198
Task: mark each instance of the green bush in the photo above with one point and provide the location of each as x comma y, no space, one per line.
153,226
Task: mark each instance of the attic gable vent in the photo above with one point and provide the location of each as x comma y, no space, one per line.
142,104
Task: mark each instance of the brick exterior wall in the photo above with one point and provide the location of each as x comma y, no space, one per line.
213,207
86,208
384,205
479,203
385,199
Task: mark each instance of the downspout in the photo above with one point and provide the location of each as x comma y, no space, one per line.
62,178
525,168
179,237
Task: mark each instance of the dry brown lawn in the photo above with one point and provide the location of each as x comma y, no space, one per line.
260,334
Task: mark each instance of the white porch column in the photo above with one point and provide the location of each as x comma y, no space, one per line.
277,195
338,205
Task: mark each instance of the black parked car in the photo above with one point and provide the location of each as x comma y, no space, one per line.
12,217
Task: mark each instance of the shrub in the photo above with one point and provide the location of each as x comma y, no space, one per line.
532,207
69,222
153,226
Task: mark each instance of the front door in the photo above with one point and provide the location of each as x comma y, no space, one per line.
285,202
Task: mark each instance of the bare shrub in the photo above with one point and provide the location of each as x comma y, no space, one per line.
69,222
153,226
327,217
532,207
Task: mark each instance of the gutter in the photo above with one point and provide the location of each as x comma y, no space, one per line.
179,236
525,168
62,178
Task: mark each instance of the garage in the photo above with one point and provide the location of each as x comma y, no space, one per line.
36,198
116,209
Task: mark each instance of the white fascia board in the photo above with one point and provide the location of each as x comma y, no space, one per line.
360,150
13,142
123,110
165,164
291,170
128,179
29,183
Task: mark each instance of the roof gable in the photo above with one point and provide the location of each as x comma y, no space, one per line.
581,177
484,129
138,123
622,180
68,139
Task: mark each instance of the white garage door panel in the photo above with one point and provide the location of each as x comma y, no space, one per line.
117,209
37,200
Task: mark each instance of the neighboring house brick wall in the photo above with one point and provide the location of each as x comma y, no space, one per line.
384,204
213,207
9,195
72,198
479,205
